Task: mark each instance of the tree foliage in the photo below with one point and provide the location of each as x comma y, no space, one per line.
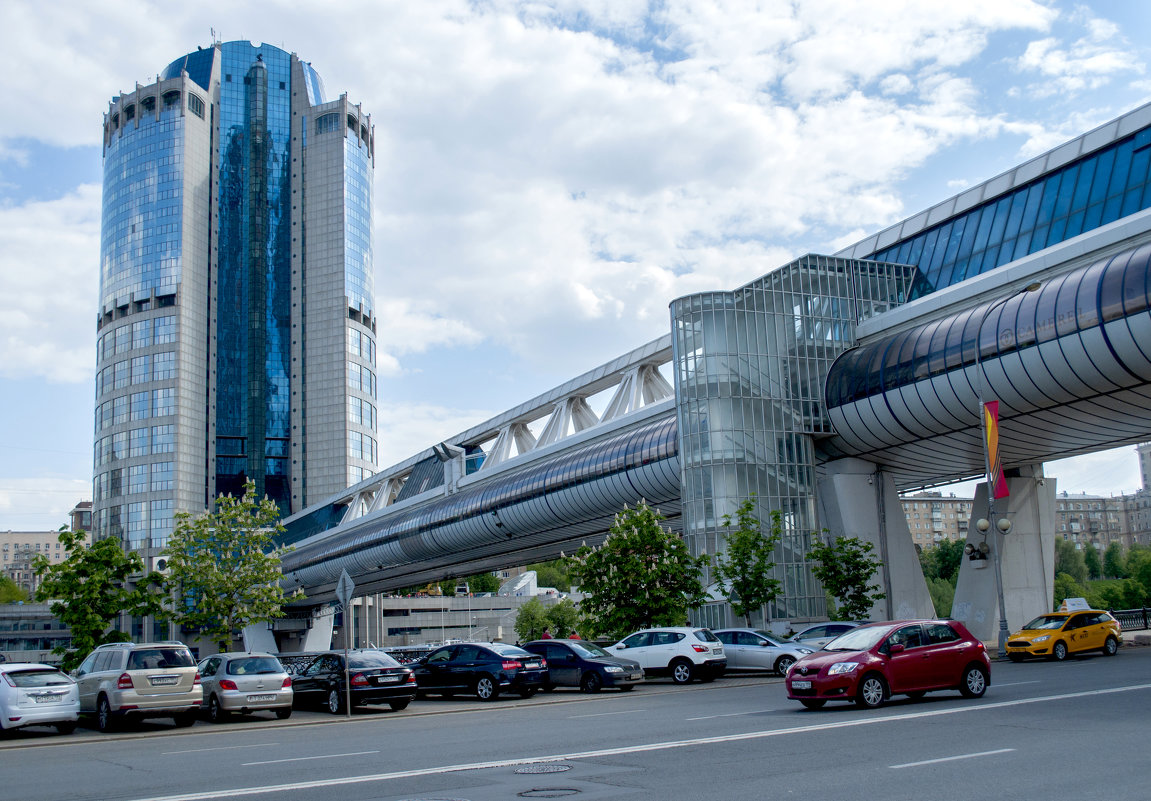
1069,560
747,564
942,595
89,589
1066,586
942,561
552,574
10,591
1092,561
223,570
483,582
531,619
845,568
1114,565
563,618
642,576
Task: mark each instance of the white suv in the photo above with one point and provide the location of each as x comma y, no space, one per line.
684,652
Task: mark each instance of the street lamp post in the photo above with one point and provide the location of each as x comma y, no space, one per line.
984,524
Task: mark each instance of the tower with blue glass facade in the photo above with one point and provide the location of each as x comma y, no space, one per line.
236,327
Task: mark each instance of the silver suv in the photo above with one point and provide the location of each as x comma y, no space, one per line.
684,652
140,680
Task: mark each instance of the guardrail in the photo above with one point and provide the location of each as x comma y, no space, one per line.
1131,619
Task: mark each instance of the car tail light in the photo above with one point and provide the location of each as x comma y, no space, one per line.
197,681
359,680
411,679
124,682
700,649
228,684
10,684
543,662
512,664
287,683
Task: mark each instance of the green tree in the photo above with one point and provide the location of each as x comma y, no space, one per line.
11,592
1114,565
1092,561
642,576
1117,594
1069,560
483,582
563,618
942,595
943,560
223,568
552,574
1066,586
845,568
89,589
747,564
531,620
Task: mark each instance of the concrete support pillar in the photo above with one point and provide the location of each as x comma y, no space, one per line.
260,637
319,636
857,499
1027,557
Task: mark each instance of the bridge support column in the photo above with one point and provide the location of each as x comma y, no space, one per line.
260,637
856,499
1027,556
319,636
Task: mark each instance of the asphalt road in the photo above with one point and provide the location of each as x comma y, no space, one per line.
1072,730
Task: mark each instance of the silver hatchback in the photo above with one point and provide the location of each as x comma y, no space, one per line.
245,683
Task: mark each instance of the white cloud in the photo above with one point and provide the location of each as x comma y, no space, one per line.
48,307
1085,64
40,504
407,429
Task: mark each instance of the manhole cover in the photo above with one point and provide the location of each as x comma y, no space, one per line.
543,769
549,792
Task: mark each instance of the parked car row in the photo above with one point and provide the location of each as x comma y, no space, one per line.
866,663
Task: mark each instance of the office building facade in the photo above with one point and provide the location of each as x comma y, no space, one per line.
236,326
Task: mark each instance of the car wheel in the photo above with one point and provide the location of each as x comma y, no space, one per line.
812,703
486,688
915,696
216,713
105,718
783,664
335,701
548,688
1015,657
974,682
528,692
66,728
283,714
1111,647
682,671
872,691
591,683
399,706
1059,652
626,688
185,719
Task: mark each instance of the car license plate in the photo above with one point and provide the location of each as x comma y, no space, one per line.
387,679
255,699
47,699
801,685
532,665
164,681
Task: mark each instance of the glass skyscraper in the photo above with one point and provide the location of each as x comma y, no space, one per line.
236,322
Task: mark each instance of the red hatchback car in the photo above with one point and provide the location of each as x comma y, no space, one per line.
871,663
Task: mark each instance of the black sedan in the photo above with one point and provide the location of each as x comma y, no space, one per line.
375,678
578,663
486,669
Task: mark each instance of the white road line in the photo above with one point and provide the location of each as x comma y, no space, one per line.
951,758
602,714
221,748
1014,683
731,715
302,759
270,789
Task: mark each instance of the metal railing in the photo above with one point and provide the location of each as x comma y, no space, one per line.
1131,619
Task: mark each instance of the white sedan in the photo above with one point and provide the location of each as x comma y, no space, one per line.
32,694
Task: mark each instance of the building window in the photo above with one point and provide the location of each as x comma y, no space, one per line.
196,105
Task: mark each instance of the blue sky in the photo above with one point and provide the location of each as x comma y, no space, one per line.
549,175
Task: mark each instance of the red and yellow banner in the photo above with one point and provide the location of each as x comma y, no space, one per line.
996,482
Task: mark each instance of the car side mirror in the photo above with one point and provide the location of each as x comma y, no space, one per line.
898,648
619,647
764,643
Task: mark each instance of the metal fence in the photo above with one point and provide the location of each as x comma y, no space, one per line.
1132,618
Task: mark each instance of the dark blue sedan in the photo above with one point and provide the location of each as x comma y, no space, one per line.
486,669
578,663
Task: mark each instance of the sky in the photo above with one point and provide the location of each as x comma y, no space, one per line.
549,175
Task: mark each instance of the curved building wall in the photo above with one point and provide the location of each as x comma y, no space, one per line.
551,503
749,369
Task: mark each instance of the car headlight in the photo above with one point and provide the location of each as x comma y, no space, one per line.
1044,638
613,669
804,651
842,667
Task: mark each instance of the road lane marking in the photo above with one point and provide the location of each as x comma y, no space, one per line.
302,759
221,748
602,714
270,789
1014,683
951,758
732,715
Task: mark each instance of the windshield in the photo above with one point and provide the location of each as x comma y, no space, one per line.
1049,622
510,650
589,649
162,658
858,639
771,638
253,665
371,659
37,677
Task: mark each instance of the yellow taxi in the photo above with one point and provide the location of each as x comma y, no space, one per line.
1058,634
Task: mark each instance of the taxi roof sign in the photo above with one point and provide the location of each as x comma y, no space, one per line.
1074,604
